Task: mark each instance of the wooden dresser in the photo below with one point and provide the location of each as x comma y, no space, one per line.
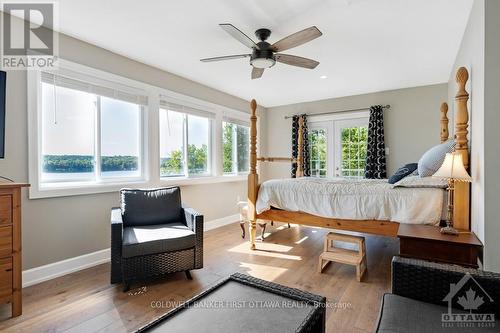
10,246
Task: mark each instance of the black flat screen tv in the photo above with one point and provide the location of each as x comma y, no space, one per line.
3,81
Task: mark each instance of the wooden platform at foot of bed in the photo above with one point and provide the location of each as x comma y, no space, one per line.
381,228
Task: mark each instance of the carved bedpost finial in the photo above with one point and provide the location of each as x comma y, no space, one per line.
462,116
253,106
462,77
444,122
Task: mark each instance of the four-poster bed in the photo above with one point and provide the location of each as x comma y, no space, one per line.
378,227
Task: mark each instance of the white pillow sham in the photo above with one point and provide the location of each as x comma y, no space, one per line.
422,182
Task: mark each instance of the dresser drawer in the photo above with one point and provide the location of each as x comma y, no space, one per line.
5,277
5,241
5,209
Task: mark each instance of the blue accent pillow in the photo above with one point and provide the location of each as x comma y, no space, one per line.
432,159
402,172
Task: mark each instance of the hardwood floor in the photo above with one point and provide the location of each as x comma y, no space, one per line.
85,301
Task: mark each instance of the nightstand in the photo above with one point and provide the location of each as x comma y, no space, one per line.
426,242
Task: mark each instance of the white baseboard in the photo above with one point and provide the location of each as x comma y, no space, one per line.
51,271
221,222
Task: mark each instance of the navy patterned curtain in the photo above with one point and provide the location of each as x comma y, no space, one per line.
295,145
375,153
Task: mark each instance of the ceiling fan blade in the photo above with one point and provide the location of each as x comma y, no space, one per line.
296,61
296,39
239,35
257,72
236,56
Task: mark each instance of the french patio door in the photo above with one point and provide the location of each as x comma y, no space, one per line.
338,147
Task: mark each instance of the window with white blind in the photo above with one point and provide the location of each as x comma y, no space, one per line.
91,130
185,141
235,146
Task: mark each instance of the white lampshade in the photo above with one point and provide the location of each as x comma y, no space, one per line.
453,168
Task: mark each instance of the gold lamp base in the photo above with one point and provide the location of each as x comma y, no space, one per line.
449,230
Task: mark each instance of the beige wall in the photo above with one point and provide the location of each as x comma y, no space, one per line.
492,135
411,124
58,228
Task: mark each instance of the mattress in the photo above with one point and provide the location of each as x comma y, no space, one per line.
366,199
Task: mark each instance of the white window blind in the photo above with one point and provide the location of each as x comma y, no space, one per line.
96,86
236,121
185,109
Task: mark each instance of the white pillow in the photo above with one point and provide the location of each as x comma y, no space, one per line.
432,159
419,182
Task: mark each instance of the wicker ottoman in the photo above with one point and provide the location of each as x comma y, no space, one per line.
241,304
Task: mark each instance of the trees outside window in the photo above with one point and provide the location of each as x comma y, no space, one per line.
236,147
184,144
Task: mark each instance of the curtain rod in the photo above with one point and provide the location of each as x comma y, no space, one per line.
338,111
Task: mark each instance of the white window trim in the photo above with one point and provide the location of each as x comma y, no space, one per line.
211,146
150,139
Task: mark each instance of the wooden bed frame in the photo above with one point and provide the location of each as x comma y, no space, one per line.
461,207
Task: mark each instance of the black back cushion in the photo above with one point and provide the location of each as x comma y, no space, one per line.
148,207
402,172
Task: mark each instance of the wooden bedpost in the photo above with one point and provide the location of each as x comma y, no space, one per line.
253,177
461,208
445,134
300,149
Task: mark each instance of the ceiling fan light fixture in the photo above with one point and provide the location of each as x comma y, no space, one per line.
262,62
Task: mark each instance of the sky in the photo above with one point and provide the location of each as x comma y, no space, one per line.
68,125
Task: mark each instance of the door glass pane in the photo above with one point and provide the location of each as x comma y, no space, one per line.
68,124
120,138
317,150
198,142
353,146
171,143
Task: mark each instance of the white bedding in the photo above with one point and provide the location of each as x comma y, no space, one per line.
366,199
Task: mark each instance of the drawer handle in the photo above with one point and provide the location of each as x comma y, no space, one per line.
8,270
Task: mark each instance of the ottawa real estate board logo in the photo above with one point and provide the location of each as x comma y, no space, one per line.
28,38
475,303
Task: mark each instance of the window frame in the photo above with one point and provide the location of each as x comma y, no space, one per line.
150,159
241,123
210,146
331,123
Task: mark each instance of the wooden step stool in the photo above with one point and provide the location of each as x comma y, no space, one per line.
351,257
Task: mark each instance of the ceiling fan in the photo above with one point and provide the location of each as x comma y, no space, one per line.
265,55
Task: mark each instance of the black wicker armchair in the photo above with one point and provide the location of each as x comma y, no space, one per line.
434,297
152,235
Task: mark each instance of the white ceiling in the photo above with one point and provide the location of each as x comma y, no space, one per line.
367,45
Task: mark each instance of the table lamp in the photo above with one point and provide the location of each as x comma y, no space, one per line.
453,170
